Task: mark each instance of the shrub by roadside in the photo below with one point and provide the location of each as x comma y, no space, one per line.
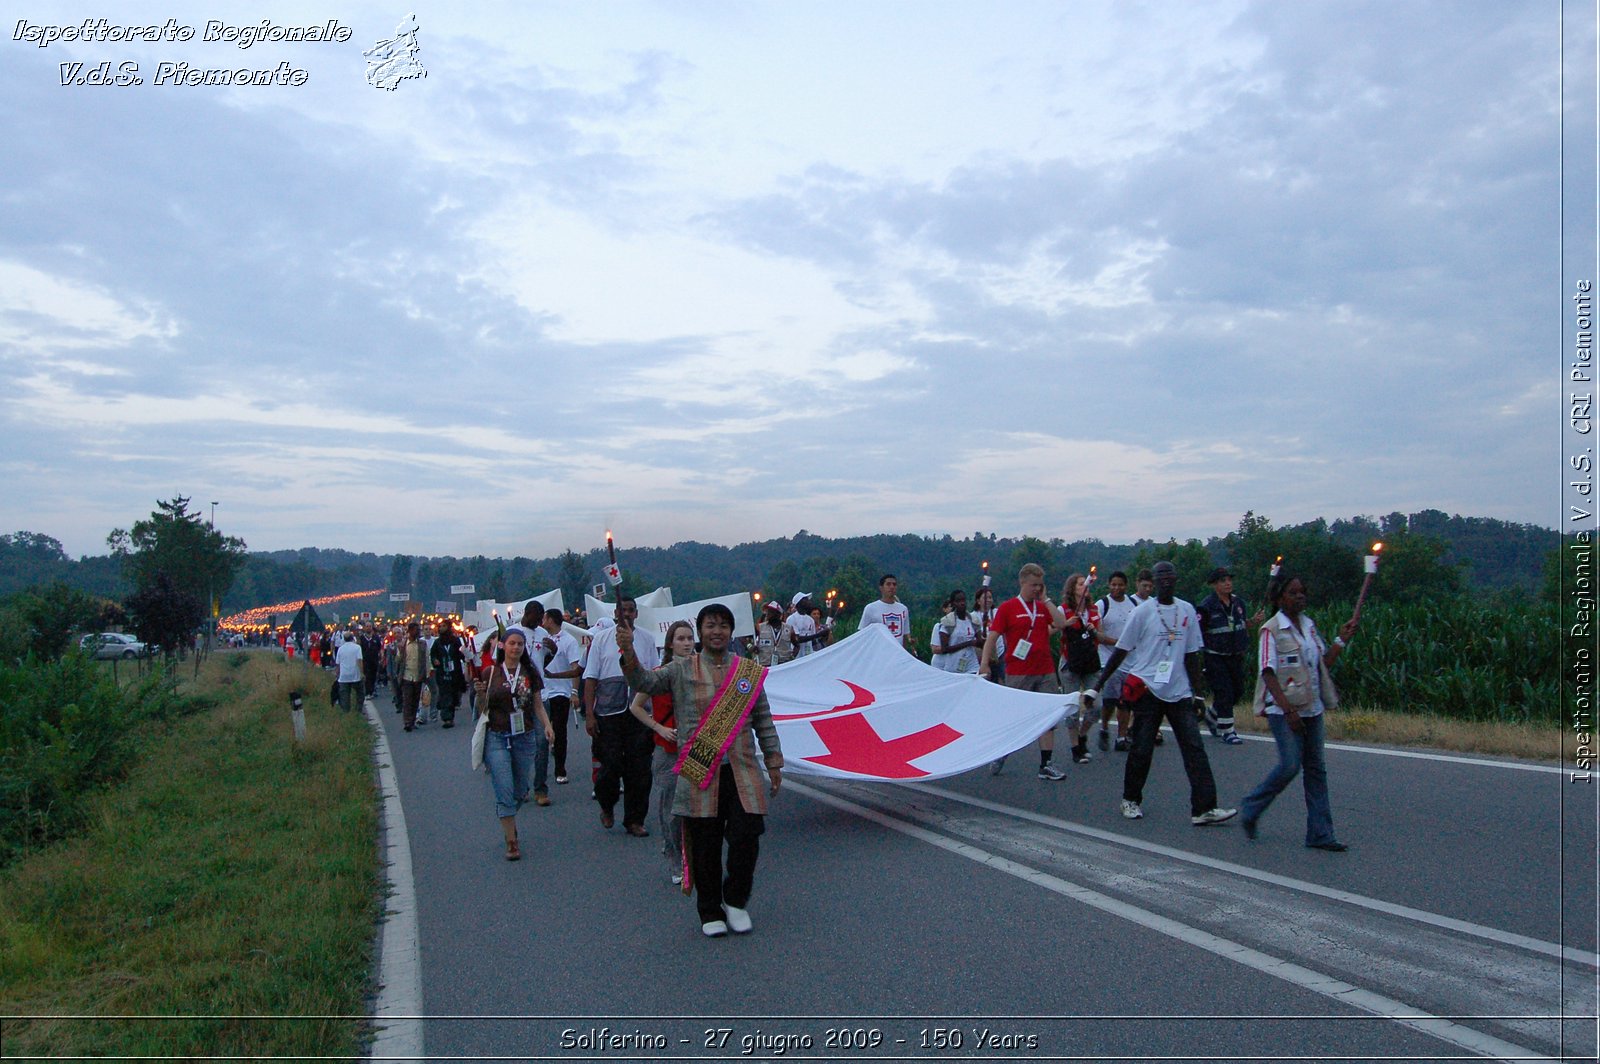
234,874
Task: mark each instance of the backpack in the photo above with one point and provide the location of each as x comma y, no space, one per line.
1083,655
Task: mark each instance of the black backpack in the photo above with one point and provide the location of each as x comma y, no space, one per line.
1083,657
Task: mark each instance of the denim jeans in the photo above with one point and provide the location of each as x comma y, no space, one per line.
1296,753
510,762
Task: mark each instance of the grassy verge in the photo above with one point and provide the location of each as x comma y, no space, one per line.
1357,724
232,875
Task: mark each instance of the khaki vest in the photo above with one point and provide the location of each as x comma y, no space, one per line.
1295,679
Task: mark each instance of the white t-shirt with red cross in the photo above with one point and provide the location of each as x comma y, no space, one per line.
895,616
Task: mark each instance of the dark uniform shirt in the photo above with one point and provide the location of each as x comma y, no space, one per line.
1223,628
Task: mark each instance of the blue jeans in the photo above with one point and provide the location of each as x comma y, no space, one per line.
510,760
1296,752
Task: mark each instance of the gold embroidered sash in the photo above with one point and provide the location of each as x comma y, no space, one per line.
724,719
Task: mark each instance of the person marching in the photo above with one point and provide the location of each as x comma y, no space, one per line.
656,713
1226,632
722,716
1161,645
1025,623
509,693
1295,691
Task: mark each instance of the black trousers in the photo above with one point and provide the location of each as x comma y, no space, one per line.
559,707
1225,674
623,747
449,700
1147,715
704,837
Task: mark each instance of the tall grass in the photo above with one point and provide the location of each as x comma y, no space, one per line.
233,874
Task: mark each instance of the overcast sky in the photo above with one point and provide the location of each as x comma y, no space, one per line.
726,270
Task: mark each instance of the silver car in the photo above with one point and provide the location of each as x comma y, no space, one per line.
108,645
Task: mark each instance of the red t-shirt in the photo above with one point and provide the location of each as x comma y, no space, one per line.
1014,621
661,712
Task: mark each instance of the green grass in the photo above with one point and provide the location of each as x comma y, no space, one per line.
231,874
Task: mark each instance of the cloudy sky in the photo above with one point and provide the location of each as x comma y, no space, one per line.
726,270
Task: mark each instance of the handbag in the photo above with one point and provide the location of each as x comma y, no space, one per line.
479,736
425,697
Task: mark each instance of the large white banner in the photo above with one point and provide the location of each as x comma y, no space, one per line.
865,709
602,609
657,619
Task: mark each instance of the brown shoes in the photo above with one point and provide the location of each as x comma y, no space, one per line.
638,831
513,850
606,819
541,799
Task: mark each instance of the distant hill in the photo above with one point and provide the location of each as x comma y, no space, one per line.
1493,555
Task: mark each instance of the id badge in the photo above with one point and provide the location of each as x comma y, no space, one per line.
519,723
1163,672
1020,651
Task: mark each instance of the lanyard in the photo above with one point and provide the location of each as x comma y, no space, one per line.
511,681
1033,614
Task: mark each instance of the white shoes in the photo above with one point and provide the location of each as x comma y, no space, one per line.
738,920
1131,810
713,929
1213,816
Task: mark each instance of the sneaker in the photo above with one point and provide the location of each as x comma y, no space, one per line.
1050,772
1131,810
1121,745
713,929
1080,754
1213,816
738,920
677,879
1232,738
561,779
1105,741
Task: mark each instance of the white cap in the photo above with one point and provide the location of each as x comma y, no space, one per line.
799,596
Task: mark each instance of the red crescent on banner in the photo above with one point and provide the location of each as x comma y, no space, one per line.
860,700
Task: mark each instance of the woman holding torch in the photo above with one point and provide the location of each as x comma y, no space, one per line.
1296,689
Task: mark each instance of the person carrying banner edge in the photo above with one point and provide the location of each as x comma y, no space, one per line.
1025,623
1162,635
722,715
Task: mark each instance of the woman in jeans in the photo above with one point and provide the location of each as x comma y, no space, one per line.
1295,691
656,713
509,693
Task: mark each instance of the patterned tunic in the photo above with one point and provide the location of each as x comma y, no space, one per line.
693,682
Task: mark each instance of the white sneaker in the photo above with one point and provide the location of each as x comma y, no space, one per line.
738,920
713,929
1131,810
1213,816
677,879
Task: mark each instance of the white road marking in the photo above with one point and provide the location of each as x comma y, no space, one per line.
1549,949
397,1015
1451,758
1338,990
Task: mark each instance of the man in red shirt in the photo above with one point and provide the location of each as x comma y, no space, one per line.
1025,623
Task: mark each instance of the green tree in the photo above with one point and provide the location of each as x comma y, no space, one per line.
164,614
41,621
400,572
1191,558
196,559
571,576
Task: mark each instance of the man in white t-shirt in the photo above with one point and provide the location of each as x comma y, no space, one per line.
562,666
1160,652
352,682
622,744
1115,609
889,611
803,631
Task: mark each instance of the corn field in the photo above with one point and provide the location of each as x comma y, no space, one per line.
1463,657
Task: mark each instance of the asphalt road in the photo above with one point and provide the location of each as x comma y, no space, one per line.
1006,917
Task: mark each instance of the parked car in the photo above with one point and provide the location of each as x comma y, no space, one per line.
108,645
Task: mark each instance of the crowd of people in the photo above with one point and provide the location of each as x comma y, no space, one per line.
689,721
